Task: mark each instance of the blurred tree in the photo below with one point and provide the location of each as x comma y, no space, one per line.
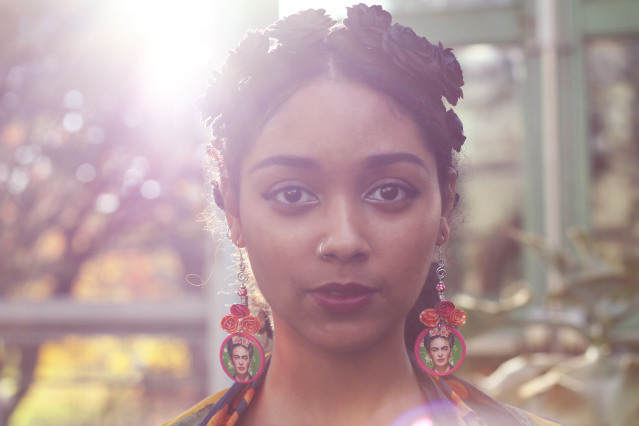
85,163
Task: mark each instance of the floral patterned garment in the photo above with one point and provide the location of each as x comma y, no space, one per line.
452,402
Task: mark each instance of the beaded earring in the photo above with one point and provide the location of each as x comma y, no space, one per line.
440,349
238,355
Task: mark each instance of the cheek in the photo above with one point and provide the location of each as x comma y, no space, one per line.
404,249
279,249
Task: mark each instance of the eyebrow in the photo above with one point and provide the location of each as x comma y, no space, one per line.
287,160
372,162
383,160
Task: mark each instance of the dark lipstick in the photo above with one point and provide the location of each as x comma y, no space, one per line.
343,298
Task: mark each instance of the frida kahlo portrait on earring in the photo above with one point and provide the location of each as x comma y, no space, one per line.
441,352
240,352
333,162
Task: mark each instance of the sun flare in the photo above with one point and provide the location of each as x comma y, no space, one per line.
177,37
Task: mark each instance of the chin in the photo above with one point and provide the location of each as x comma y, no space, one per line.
344,338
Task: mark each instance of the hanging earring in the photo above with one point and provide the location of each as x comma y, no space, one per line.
241,355
439,336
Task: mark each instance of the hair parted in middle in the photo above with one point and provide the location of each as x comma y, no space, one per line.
439,334
245,343
269,66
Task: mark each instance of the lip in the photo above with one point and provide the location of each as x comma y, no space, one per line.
343,298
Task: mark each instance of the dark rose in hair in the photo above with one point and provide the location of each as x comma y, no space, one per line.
215,99
248,54
456,129
452,77
414,54
240,64
368,23
308,26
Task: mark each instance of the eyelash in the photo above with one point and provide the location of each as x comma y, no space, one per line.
273,195
406,193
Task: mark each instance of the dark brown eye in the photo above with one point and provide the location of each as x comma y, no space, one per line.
392,194
389,192
292,195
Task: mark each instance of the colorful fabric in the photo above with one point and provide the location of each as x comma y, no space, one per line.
451,402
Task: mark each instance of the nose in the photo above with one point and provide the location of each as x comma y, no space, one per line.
345,238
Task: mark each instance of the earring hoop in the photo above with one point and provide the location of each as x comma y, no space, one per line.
241,325
441,322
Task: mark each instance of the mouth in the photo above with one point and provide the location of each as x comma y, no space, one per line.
343,298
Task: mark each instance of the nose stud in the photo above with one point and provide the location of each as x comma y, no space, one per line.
320,251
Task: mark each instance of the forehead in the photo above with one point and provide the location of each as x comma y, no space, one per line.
240,350
438,342
337,122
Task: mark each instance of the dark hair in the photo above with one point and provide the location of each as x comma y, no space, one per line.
269,66
428,339
230,346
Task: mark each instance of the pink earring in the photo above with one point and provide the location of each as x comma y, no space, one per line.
241,355
441,345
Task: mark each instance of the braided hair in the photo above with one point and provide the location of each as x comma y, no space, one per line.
269,66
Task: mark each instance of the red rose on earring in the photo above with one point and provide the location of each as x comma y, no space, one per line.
229,323
445,308
457,317
240,311
430,317
250,324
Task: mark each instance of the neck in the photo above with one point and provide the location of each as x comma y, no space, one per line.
442,369
313,383
244,376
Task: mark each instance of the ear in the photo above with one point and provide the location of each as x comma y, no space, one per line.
231,209
448,206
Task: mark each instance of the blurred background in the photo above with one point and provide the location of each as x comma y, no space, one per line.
101,184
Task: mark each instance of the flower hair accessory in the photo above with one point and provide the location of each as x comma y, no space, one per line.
434,68
368,23
237,340
309,26
439,331
412,53
240,65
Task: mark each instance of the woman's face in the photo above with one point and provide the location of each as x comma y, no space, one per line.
338,167
241,360
440,352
